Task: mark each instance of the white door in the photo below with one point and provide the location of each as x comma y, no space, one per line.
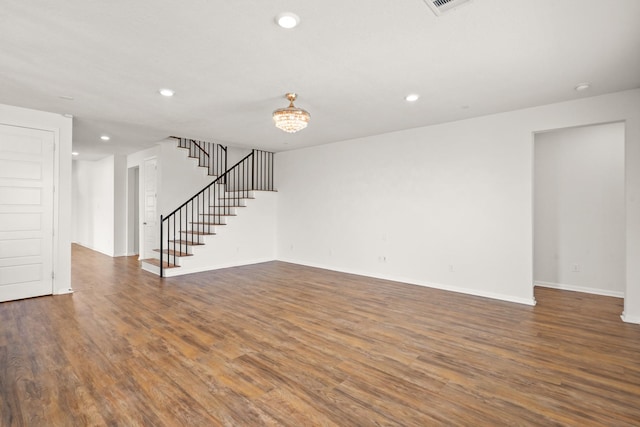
26,212
150,224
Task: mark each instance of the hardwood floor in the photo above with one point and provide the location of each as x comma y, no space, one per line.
281,344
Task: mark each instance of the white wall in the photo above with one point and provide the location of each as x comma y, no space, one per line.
62,129
235,154
579,229
180,177
94,204
412,206
409,205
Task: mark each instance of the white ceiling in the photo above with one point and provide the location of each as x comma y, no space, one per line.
351,62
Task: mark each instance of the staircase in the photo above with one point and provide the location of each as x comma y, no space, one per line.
211,156
188,229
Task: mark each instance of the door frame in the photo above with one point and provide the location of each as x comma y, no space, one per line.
133,210
626,190
141,203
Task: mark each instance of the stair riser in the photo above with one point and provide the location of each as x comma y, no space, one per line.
166,257
181,247
204,219
184,249
196,238
155,269
222,203
205,228
151,268
155,255
223,211
240,194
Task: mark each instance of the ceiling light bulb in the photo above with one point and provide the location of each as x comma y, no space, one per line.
413,97
105,137
287,20
582,86
74,153
166,92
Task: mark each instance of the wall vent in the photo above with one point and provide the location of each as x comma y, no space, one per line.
440,6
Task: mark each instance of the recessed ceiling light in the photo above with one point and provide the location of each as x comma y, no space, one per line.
105,137
582,86
66,97
412,97
287,20
74,153
166,92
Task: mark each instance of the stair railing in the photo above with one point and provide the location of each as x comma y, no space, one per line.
209,154
207,209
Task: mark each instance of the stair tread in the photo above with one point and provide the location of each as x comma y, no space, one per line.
199,233
186,242
156,262
172,252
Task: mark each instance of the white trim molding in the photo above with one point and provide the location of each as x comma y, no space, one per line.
630,319
408,281
181,271
573,288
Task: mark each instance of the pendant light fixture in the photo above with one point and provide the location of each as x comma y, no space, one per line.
291,119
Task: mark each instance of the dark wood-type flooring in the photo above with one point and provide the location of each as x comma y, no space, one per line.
281,344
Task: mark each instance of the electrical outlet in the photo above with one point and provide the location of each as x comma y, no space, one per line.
451,269
575,268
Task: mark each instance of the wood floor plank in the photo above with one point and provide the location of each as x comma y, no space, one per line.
277,344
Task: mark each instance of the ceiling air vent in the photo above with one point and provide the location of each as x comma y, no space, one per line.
440,6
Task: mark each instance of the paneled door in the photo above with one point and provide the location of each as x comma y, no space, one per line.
150,224
26,212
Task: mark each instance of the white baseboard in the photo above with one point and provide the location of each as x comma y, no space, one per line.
630,319
573,288
467,291
173,272
94,249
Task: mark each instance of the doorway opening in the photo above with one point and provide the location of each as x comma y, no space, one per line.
579,209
